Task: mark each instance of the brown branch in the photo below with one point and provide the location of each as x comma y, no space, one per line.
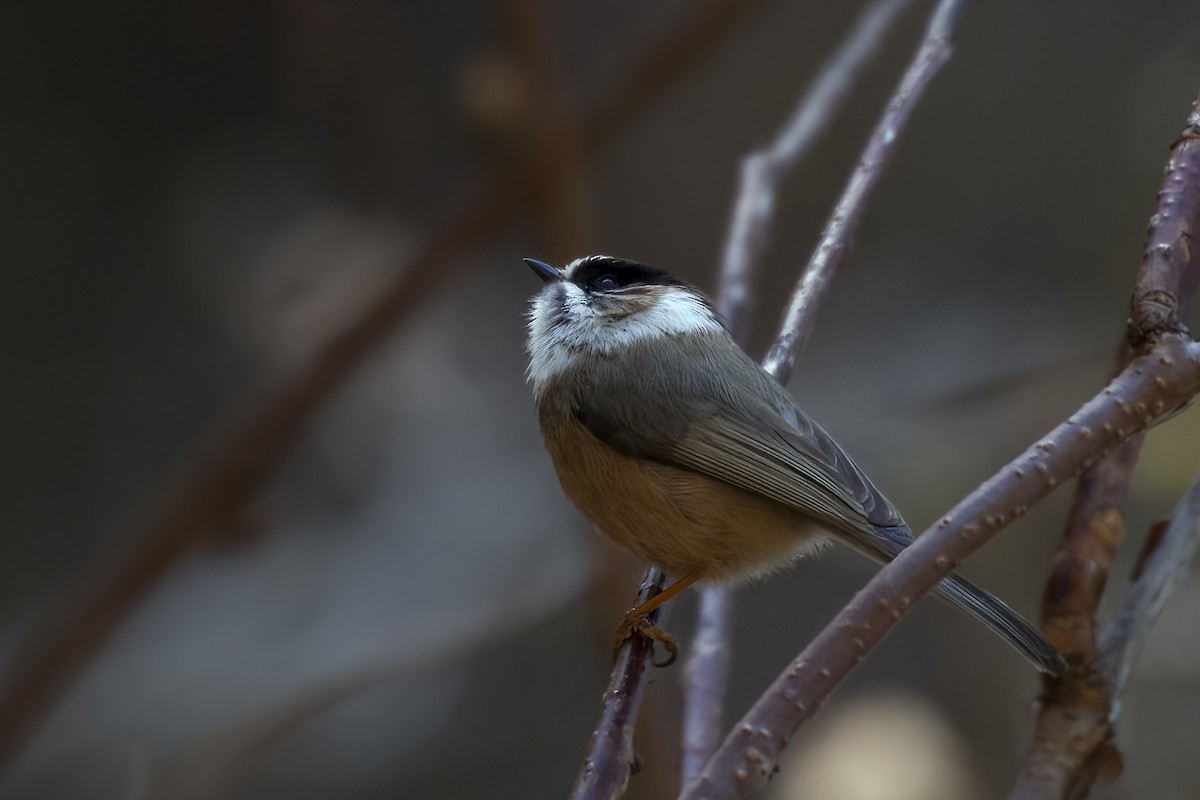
707,668
835,241
1072,746
607,763
218,493
1150,388
550,144
1077,713
1095,528
1170,270
213,764
662,66
610,759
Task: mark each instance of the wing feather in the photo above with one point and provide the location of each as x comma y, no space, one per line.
732,422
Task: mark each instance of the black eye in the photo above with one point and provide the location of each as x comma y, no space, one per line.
605,283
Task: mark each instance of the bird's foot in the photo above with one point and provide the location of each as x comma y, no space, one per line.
641,626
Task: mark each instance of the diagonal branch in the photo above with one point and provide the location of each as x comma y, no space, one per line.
1152,386
763,170
1164,377
835,242
706,671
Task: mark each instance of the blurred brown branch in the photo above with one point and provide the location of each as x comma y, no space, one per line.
1070,747
1162,378
707,668
222,488
216,763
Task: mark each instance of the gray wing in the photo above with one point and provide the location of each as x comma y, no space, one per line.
667,404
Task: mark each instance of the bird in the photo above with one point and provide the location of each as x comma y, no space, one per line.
685,451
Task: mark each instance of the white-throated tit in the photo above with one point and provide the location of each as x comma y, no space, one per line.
683,449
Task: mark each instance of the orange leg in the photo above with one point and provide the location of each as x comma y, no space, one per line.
636,622
642,609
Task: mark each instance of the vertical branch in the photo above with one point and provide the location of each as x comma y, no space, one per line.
1078,710
706,671
610,759
705,676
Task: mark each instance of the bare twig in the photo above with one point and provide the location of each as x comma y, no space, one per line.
218,493
831,251
707,668
1077,712
1170,269
610,758
1095,528
705,677
1165,376
1150,388
1154,384
763,170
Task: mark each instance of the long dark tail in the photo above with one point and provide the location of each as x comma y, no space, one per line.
983,606
1007,624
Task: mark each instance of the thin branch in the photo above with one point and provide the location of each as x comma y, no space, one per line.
218,493
835,241
1170,270
1078,710
706,672
1094,530
705,677
763,170
610,758
1154,385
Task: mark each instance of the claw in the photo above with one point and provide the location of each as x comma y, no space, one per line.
643,627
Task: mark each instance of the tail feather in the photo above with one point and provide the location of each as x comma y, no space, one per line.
887,542
1007,624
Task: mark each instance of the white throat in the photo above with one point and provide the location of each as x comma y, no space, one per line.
565,327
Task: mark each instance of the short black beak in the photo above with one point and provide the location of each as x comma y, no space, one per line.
543,270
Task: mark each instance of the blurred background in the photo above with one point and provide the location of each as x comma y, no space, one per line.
198,195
